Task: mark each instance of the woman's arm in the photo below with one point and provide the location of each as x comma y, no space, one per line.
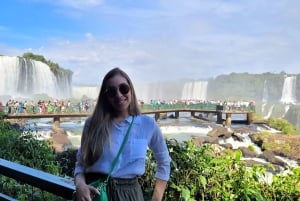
159,189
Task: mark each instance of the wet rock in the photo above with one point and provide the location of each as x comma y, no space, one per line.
202,140
245,130
219,131
60,140
274,169
247,152
227,146
198,141
282,145
270,157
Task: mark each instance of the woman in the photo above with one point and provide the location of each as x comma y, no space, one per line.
102,137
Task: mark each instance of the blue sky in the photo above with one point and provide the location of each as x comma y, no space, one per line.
155,40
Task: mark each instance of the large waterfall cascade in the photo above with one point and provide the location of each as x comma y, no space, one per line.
265,95
89,91
180,90
289,90
196,90
20,77
24,78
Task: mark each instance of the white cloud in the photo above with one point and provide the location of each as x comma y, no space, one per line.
173,39
89,36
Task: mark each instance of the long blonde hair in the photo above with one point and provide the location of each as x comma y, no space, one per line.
97,128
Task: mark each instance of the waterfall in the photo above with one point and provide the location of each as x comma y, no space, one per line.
289,90
286,109
196,90
265,96
163,91
89,91
170,90
270,112
20,77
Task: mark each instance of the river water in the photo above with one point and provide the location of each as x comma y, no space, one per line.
181,129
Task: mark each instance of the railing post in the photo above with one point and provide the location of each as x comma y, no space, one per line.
249,118
228,119
157,116
176,114
219,117
193,114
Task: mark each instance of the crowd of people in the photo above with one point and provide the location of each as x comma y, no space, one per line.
46,107
67,106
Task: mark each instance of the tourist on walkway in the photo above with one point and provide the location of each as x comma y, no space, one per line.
103,133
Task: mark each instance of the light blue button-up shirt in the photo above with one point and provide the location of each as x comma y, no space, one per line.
144,134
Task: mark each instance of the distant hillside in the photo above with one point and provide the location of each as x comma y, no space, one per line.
236,86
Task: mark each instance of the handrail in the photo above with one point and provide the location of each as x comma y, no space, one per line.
51,183
6,198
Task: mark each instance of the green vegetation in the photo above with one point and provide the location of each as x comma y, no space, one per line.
257,117
24,148
251,148
198,173
283,125
55,68
293,115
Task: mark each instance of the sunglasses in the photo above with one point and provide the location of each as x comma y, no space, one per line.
112,91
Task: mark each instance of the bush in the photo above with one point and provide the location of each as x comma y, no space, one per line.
199,173
23,147
283,125
66,161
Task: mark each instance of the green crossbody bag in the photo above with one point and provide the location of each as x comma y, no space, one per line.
101,185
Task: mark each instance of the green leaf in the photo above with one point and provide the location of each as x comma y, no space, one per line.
185,194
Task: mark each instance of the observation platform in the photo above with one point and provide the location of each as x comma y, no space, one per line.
158,110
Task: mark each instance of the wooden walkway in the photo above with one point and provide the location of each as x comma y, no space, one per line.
157,114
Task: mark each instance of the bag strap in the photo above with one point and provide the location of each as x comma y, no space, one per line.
119,152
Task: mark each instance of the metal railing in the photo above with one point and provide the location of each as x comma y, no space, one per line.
51,183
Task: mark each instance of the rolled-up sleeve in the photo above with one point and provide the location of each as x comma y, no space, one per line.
78,166
161,154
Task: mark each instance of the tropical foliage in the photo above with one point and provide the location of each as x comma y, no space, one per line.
24,148
200,173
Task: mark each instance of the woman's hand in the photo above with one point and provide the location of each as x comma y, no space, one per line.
86,192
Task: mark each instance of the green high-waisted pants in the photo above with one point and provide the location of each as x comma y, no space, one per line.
119,189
